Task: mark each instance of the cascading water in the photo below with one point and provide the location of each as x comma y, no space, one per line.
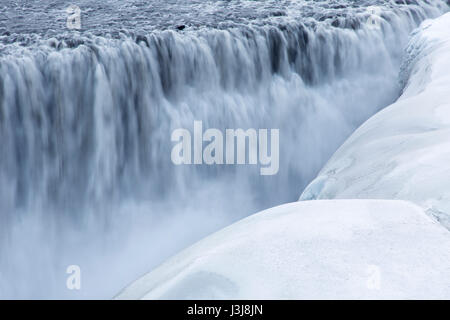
86,119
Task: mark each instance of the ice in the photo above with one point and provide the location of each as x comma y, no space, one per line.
346,249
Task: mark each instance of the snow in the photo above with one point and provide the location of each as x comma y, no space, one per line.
403,152
346,249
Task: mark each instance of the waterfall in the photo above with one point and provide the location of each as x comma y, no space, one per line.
86,121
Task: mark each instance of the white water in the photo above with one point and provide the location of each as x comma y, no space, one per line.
85,173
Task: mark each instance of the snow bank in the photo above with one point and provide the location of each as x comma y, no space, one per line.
312,249
403,152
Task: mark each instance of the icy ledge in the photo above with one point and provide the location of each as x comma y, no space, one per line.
403,152
343,249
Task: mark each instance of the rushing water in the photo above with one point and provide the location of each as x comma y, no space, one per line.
86,118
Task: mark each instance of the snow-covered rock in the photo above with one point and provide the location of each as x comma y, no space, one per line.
403,152
312,249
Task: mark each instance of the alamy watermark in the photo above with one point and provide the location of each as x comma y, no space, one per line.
234,150
374,16
373,277
74,17
73,281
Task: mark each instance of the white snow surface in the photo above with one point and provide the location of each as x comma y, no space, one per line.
403,152
346,249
